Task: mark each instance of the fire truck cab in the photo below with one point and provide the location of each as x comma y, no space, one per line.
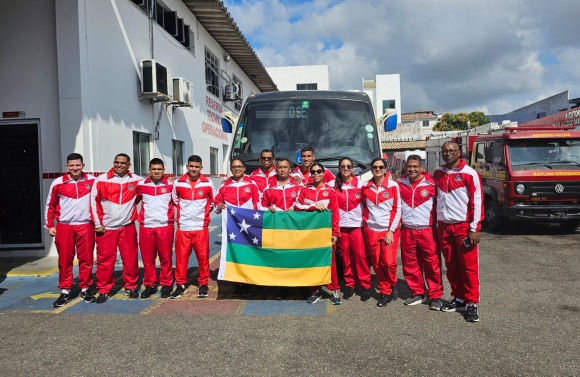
530,173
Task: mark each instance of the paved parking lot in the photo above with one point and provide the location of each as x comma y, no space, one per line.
530,313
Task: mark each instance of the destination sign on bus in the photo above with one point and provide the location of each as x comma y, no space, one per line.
299,111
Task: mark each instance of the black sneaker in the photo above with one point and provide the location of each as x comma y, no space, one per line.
415,300
348,293
237,291
394,293
472,315
165,291
148,292
383,300
179,290
132,293
335,298
454,306
246,290
203,290
87,296
314,297
62,300
435,304
282,293
102,298
365,294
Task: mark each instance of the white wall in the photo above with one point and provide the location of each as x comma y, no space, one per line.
286,78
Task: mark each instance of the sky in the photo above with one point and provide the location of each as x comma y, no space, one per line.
453,55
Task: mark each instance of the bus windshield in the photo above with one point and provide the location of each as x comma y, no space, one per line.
546,154
332,127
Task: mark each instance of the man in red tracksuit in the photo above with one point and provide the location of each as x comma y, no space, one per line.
114,213
459,216
419,250
68,203
266,174
156,229
302,173
193,195
283,194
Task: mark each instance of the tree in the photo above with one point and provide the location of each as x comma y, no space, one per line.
460,121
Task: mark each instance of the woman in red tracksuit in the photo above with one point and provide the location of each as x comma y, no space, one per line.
238,191
381,217
319,197
351,246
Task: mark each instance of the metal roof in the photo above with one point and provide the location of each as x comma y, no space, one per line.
391,145
300,94
214,17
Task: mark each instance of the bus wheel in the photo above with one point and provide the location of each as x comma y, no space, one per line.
569,226
493,220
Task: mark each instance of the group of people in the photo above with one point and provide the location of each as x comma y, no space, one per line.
430,216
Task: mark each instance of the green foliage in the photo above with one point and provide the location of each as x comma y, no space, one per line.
458,122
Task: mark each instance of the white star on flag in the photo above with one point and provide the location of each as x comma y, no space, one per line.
243,226
255,240
232,236
232,211
257,215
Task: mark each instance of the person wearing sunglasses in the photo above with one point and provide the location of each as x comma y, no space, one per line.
317,196
420,254
266,174
237,191
459,217
350,244
381,217
302,174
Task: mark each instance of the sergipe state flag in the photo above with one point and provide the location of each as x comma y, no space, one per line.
289,249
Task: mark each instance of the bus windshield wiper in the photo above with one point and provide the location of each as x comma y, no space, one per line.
534,163
361,165
566,162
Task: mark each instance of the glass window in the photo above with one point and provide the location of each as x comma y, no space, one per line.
497,152
311,86
178,165
141,152
480,152
388,104
212,69
425,123
213,160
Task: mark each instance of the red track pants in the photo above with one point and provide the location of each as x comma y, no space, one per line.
69,237
421,261
155,242
334,285
383,258
184,242
462,263
351,247
125,239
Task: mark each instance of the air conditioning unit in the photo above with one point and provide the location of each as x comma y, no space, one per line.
156,82
182,91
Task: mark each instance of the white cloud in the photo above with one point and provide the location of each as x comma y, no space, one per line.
451,54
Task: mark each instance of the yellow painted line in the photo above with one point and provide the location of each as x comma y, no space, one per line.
330,309
45,295
38,273
241,308
157,303
71,303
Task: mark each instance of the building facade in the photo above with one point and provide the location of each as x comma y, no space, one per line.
302,77
385,93
71,74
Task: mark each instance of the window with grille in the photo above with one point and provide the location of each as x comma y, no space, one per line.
212,68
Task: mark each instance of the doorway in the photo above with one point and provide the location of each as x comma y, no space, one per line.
20,185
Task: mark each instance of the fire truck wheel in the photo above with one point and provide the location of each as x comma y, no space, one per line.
494,222
570,226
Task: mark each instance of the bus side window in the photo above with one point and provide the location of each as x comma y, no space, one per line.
497,152
480,153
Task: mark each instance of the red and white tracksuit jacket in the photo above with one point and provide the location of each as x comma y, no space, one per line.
350,244
459,211
419,249
382,213
156,220
69,203
307,200
307,178
282,198
243,193
194,202
113,207
262,179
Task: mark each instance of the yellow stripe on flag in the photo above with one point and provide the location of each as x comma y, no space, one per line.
296,239
284,277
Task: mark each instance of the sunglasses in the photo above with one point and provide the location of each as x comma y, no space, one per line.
346,167
266,158
319,171
378,167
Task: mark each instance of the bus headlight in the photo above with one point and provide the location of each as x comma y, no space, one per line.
520,188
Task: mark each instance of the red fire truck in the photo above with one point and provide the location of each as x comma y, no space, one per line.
529,172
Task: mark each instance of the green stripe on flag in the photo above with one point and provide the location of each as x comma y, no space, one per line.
293,220
255,256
